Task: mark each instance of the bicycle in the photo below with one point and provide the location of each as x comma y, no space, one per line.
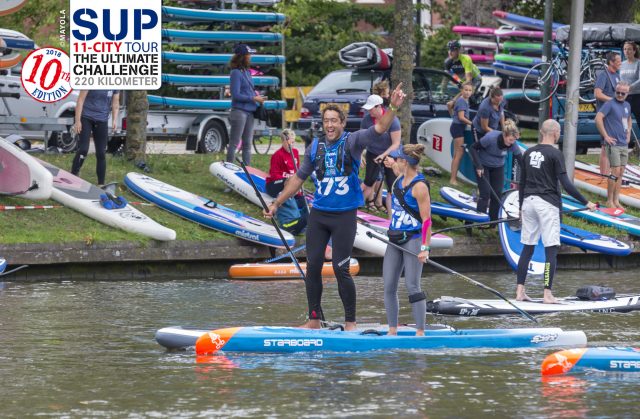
555,73
262,141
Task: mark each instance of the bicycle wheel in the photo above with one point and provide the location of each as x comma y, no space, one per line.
262,143
588,75
538,75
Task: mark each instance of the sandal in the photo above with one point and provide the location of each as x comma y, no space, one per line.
370,206
382,208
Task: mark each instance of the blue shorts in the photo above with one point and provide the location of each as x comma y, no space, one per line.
457,130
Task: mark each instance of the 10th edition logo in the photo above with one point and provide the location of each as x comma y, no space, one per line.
116,47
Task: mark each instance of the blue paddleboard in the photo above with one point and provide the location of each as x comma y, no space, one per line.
217,59
613,359
220,105
180,14
205,211
621,221
202,80
185,37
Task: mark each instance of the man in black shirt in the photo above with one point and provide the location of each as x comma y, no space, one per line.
543,171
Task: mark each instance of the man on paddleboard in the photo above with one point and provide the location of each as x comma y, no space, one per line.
543,171
335,158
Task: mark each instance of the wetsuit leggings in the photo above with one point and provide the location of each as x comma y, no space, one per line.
241,130
100,130
341,228
551,261
493,176
394,261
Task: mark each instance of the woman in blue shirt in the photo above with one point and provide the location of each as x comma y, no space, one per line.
244,102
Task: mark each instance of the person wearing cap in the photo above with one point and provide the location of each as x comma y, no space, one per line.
244,102
461,66
292,216
377,151
335,159
410,229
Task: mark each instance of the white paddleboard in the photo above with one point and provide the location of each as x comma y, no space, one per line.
84,197
19,172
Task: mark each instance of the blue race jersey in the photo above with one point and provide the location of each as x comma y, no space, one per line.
401,219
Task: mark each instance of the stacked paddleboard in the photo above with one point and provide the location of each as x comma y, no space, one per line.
204,211
205,46
12,42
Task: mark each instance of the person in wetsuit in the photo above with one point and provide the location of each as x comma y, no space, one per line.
335,158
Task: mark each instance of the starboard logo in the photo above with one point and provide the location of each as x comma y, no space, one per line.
544,338
437,142
624,365
317,343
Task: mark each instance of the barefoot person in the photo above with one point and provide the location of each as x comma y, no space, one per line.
543,171
410,228
613,121
458,125
335,157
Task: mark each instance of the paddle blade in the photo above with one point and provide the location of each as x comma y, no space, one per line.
211,342
561,362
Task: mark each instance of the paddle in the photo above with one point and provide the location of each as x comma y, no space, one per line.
273,221
503,220
284,255
295,167
13,270
459,275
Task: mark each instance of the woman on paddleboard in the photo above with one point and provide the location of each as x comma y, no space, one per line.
488,157
335,158
410,228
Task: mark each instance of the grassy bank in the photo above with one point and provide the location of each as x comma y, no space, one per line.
189,172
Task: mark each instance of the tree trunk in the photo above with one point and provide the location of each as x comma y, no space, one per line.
137,107
404,46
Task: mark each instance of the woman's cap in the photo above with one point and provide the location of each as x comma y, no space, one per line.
372,102
243,49
398,153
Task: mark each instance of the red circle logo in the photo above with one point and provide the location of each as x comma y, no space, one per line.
45,74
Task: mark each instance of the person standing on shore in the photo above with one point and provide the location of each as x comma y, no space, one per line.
459,124
490,114
377,151
244,102
488,157
630,72
410,228
92,117
543,171
335,158
613,121
604,91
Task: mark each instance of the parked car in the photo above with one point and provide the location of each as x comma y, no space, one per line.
38,118
349,89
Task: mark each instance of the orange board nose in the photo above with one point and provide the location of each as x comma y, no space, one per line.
561,362
212,342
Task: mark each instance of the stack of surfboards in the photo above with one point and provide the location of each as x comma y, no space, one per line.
208,40
234,177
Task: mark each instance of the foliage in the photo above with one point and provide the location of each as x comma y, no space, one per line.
316,30
41,20
434,48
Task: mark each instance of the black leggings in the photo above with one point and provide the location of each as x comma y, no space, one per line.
341,228
495,177
100,130
551,261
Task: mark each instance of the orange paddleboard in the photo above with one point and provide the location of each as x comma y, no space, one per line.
283,270
592,182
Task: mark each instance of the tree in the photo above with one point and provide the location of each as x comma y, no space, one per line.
316,30
404,47
136,143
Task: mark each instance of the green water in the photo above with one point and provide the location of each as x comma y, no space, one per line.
82,349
